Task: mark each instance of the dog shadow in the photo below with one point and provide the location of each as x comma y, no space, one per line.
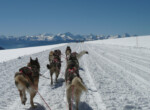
59,83
84,106
38,107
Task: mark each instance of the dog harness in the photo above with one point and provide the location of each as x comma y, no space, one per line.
55,60
57,53
57,63
72,70
71,74
27,71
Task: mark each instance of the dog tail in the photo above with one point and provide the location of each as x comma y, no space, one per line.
20,80
79,55
78,84
48,66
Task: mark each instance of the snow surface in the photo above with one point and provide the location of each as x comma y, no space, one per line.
117,78
9,54
139,41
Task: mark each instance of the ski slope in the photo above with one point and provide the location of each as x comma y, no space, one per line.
117,78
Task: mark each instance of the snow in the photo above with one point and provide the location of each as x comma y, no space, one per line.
139,41
10,54
116,74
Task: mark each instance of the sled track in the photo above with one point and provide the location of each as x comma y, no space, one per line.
131,83
117,78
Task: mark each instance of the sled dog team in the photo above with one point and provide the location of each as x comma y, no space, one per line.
27,78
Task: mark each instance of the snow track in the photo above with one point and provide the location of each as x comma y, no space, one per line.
128,83
117,78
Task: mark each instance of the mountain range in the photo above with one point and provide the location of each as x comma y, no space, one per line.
1,48
47,39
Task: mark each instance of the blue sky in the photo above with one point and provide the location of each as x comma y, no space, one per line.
31,17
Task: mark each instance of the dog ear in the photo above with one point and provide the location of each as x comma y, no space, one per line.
48,66
87,52
36,59
31,59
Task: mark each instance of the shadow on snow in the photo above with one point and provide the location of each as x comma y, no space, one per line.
38,107
83,106
59,83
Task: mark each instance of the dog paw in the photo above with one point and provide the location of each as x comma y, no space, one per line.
34,106
48,66
24,101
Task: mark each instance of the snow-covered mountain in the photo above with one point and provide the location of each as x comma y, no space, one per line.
46,39
1,48
62,37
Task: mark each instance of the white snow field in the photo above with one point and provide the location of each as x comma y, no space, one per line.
139,41
9,54
117,77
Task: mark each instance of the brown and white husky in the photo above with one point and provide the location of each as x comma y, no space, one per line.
55,65
51,56
74,82
27,79
75,89
68,52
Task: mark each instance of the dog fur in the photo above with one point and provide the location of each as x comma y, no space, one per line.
75,89
68,51
55,66
72,62
80,54
23,82
51,57
74,82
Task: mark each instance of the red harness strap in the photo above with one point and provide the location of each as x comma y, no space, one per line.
72,70
55,60
29,74
30,68
21,71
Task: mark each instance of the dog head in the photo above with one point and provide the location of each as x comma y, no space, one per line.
51,53
73,56
57,52
34,63
68,47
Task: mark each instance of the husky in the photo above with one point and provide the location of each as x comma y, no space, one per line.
75,89
27,79
55,66
73,61
51,57
57,53
68,52
74,82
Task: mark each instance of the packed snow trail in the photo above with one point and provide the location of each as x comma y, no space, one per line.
122,85
53,95
117,78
